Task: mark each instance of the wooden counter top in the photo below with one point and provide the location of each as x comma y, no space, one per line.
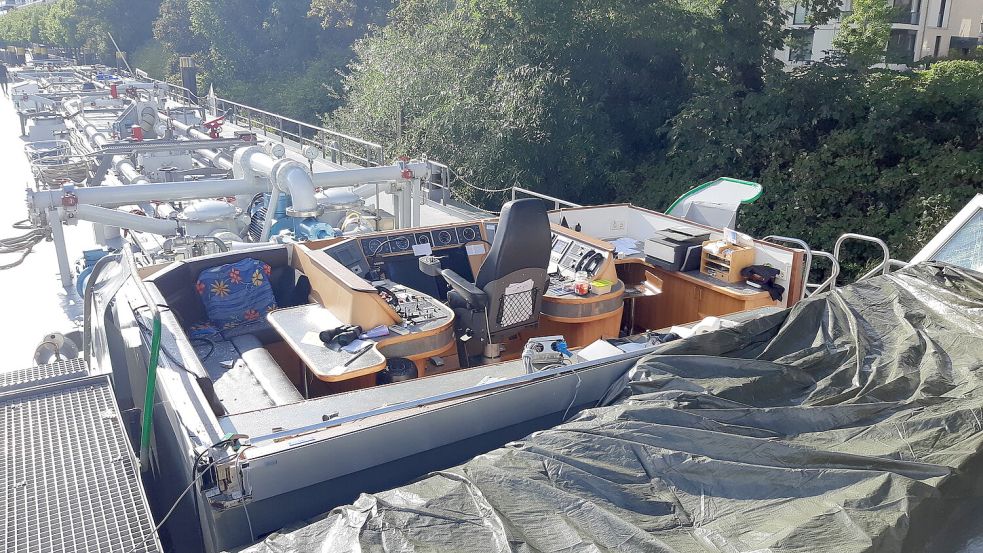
738,291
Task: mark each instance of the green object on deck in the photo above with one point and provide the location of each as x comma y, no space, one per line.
148,400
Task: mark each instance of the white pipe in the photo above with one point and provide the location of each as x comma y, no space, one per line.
128,172
113,196
292,177
351,177
217,159
121,219
286,175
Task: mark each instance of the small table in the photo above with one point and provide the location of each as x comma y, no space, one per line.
299,326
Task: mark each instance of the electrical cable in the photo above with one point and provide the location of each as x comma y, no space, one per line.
147,331
210,343
194,479
576,392
457,176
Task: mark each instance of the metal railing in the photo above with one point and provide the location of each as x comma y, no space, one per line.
834,272
557,202
884,267
807,262
332,146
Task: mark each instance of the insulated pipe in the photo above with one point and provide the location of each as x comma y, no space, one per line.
288,176
351,177
128,172
113,196
217,159
121,219
293,178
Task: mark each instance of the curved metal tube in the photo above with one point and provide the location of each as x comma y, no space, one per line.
292,177
807,266
834,272
885,265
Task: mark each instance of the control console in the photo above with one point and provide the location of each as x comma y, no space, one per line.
413,307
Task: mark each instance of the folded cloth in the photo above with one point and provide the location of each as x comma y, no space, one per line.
236,293
763,276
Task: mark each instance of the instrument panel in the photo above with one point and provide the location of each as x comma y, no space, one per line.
400,243
568,256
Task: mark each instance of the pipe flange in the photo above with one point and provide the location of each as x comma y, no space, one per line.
291,212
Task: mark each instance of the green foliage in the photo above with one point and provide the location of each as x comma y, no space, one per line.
863,33
25,26
838,149
82,24
552,94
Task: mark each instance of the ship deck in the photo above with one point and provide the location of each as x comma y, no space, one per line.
70,479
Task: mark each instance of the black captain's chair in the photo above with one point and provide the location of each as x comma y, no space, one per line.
507,294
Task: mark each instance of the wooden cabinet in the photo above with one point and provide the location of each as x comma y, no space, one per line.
686,298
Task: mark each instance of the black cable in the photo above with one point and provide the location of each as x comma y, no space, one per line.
210,343
148,331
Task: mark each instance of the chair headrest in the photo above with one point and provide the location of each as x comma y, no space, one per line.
522,241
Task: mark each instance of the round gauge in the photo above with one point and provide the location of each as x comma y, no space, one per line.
444,237
468,234
276,150
423,238
311,152
374,246
401,243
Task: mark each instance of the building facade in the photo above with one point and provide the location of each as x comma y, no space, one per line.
921,29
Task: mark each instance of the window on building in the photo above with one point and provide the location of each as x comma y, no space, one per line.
941,14
938,45
901,46
800,45
801,14
962,46
906,12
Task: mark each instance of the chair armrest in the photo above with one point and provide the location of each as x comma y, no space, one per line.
474,295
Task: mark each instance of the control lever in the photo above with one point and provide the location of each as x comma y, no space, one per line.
430,265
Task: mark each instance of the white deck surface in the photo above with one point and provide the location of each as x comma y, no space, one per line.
32,300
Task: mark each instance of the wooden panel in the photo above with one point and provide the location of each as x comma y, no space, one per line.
685,299
348,297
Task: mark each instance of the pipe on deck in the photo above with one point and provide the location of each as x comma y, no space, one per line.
122,219
114,196
218,159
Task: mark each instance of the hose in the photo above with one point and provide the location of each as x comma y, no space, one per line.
23,244
148,398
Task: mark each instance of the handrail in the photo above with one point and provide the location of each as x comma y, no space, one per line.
807,265
885,265
333,146
830,282
557,202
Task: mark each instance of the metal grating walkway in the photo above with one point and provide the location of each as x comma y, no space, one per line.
69,479
42,374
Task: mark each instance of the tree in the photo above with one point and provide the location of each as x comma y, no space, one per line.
863,33
555,94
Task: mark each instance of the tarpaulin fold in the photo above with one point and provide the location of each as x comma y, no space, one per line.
849,423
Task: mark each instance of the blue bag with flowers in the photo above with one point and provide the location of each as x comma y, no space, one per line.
237,293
